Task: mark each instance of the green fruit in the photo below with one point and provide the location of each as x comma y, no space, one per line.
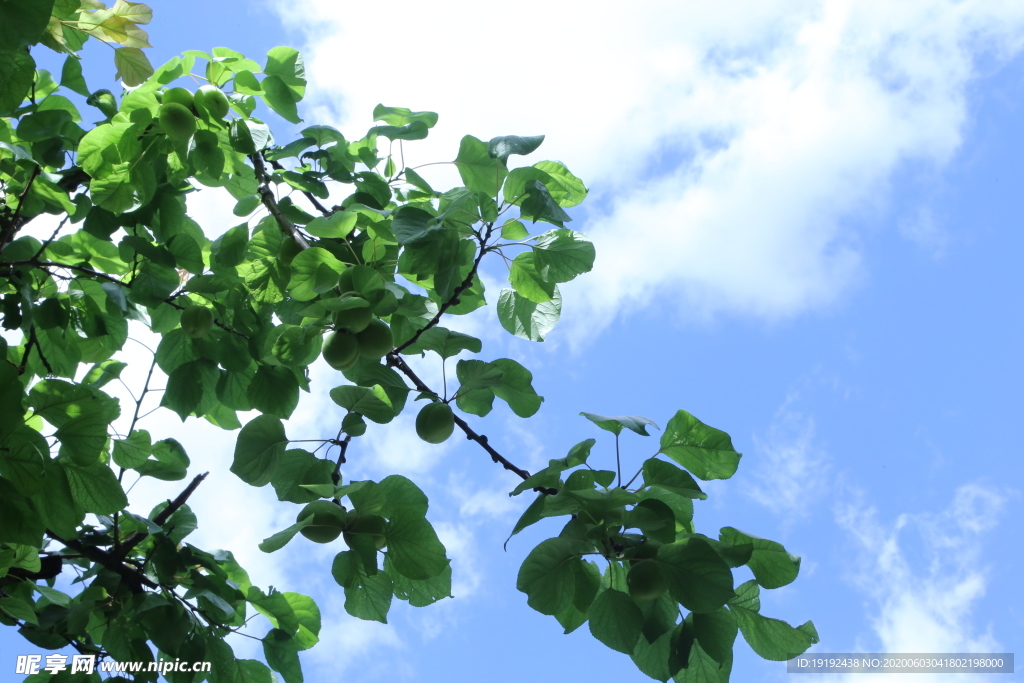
177,121
328,521
435,423
196,321
371,525
178,96
341,350
376,340
212,100
355,318
645,581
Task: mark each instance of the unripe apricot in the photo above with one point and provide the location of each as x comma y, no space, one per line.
328,521
196,321
177,122
435,422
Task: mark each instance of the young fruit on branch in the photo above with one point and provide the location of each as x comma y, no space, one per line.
212,101
372,525
645,581
178,96
376,340
177,122
196,321
341,350
355,318
435,422
328,521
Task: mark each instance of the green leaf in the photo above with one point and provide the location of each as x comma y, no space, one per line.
153,283
23,458
705,451
19,609
701,667
532,515
259,447
561,255
516,388
297,469
400,116
716,633
528,319
480,171
616,621
282,538
422,592
697,577
528,281
274,390
565,188
502,147
616,424
748,595
372,403
338,225
95,488
771,638
132,65
22,523
71,76
23,23
547,575
370,597
282,654
540,206
413,546
401,494
772,565
446,343
670,478
314,271
281,98
79,413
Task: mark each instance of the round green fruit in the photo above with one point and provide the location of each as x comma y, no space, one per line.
645,581
376,340
212,100
371,525
354,319
341,350
177,122
435,422
196,321
328,521
178,96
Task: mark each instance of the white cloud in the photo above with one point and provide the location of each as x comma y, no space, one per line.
729,146
790,473
924,600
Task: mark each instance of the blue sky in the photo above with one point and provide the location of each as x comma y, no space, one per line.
807,216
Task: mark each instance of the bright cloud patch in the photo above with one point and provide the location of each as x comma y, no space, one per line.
740,138
925,603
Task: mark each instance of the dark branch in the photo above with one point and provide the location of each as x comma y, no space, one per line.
453,300
134,579
309,195
267,197
33,340
397,361
336,474
163,515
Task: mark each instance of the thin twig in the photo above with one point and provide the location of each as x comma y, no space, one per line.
163,515
397,361
267,197
309,195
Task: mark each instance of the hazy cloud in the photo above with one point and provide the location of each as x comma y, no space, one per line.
729,146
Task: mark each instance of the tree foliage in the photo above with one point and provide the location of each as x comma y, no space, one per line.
341,250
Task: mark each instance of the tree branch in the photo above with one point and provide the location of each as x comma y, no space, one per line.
453,300
163,515
134,579
267,197
397,361
309,195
